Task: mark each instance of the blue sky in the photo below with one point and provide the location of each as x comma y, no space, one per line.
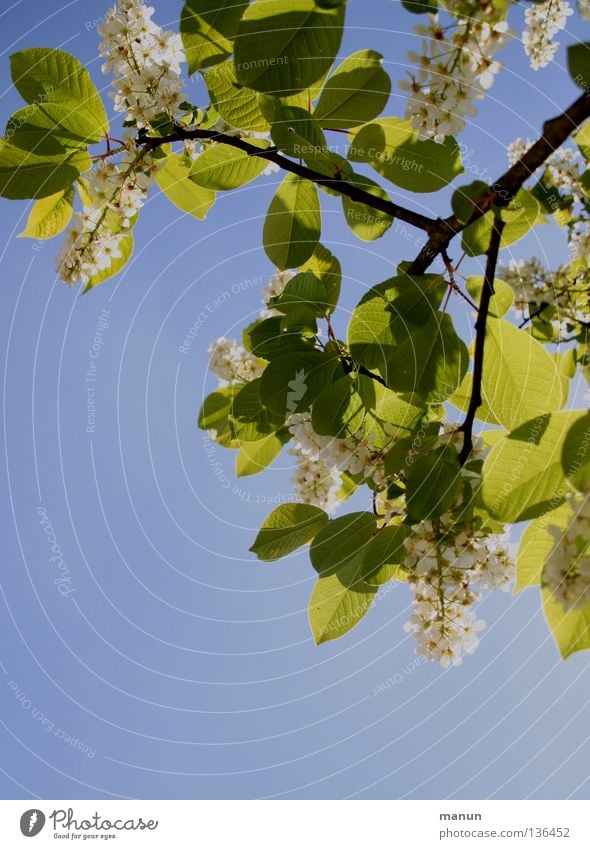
176,665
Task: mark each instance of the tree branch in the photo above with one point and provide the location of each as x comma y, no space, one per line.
555,132
336,183
480,335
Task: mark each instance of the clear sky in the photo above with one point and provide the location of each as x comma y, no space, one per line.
173,664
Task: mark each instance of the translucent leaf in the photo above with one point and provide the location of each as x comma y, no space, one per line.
126,249
571,629
356,92
237,105
208,28
432,484
520,379
578,62
522,476
431,362
50,216
327,267
173,179
287,528
335,608
284,46
249,419
535,545
523,213
215,412
366,222
501,300
575,456
59,88
221,167
26,175
293,223
394,149
292,382
339,546
254,457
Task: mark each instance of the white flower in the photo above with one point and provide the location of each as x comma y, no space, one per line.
273,289
543,21
566,573
231,363
447,563
454,69
147,60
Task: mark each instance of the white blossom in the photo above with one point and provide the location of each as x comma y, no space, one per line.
231,363
145,59
543,21
454,69
448,562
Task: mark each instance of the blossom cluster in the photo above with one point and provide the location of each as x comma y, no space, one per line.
231,363
112,195
543,21
536,288
146,59
566,573
354,455
448,562
565,167
455,67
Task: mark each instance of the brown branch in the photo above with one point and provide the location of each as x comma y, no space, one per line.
336,183
480,335
500,193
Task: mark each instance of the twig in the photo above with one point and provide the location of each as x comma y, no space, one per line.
355,193
555,132
533,315
480,335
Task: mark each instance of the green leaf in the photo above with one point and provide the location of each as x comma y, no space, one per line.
520,379
298,134
249,419
571,629
287,528
582,139
254,457
419,7
302,301
340,409
60,89
522,213
501,300
462,397
394,149
522,475
293,223
356,92
284,46
26,175
339,546
384,556
392,417
126,248
387,312
432,361
267,339
237,105
535,545
215,412
221,167
50,216
433,483
578,63
327,267
463,197
575,456
335,608
366,222
173,179
208,28
290,383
